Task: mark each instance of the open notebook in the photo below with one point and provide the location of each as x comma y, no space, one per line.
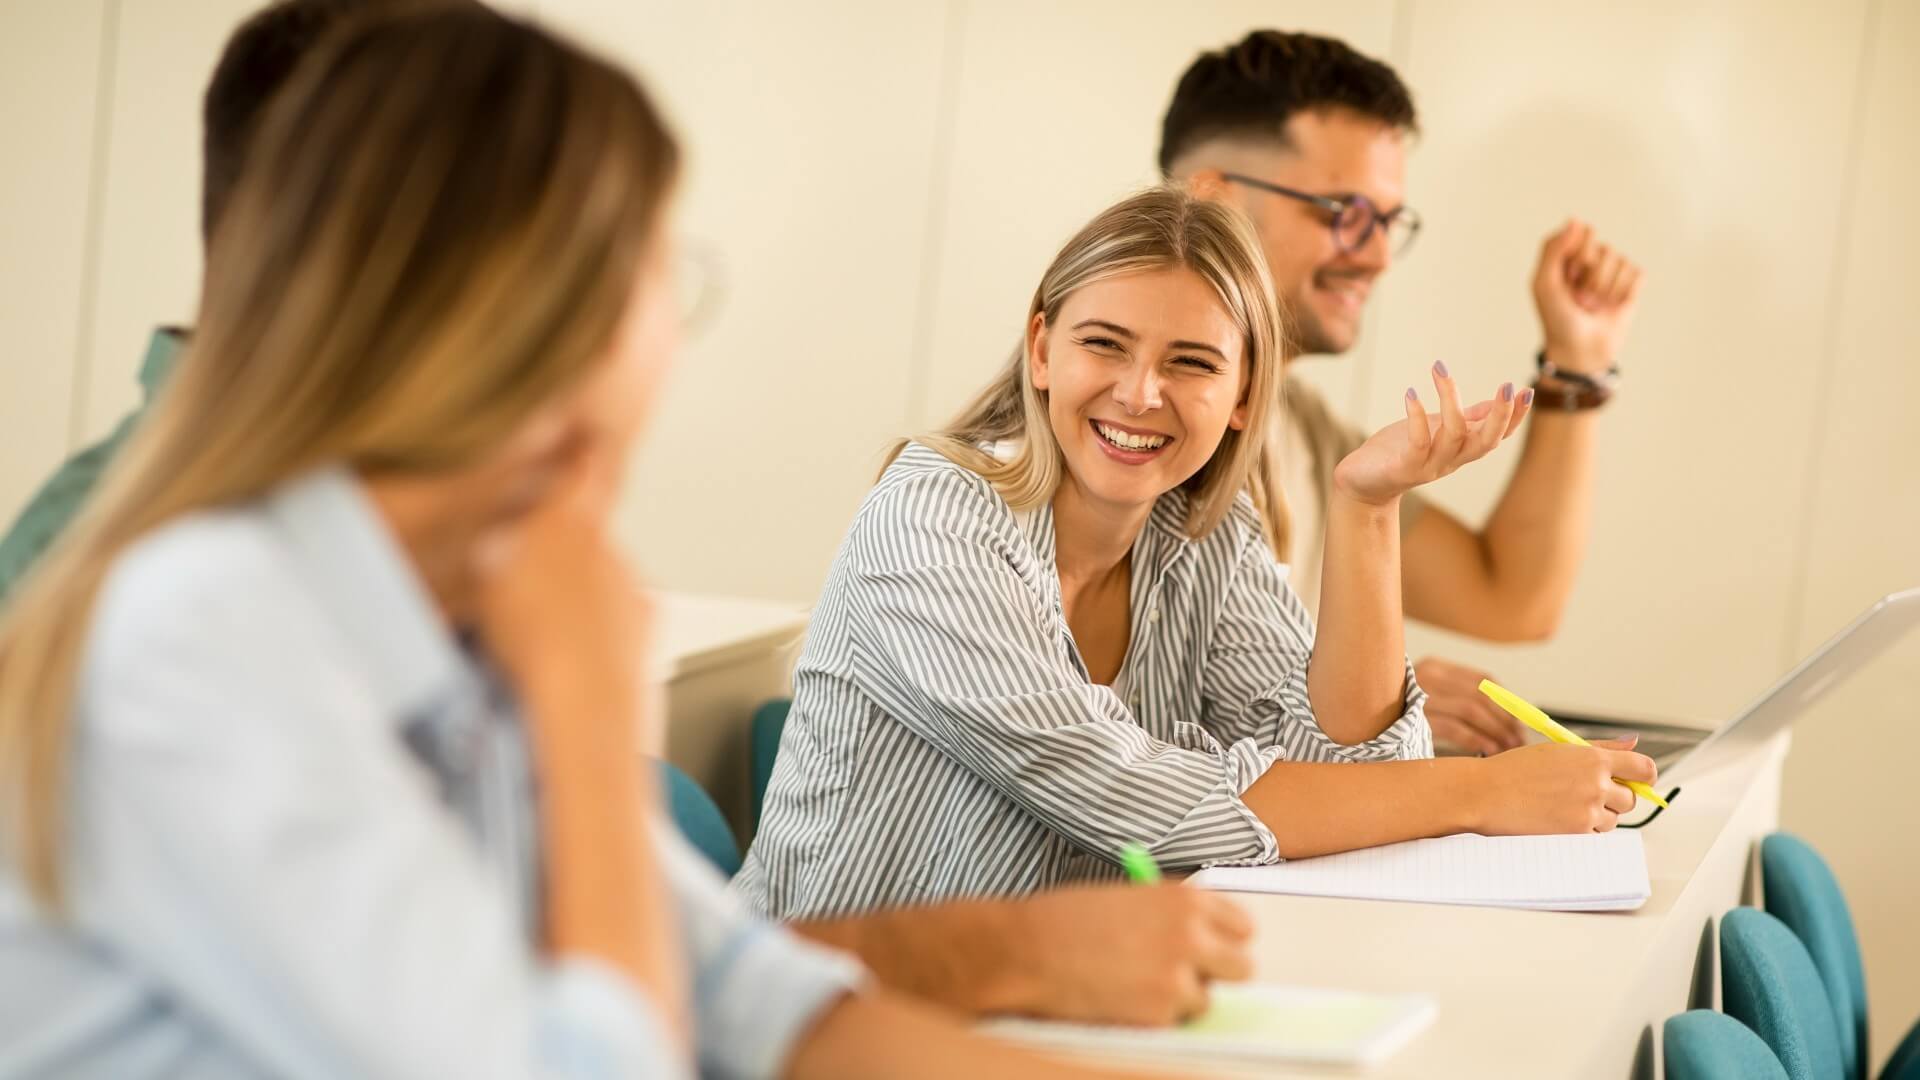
1583,872
1254,1022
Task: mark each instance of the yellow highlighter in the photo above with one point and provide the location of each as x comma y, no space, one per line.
1548,726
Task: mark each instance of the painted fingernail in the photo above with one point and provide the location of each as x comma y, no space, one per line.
1440,369
1506,392
1526,397
1411,396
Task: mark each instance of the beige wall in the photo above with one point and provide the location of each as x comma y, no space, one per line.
884,182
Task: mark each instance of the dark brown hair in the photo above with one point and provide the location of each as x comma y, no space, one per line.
1254,86
255,63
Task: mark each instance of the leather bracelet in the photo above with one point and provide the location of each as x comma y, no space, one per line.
1606,380
1570,399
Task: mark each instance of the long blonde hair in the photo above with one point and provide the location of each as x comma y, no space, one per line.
437,231
1156,229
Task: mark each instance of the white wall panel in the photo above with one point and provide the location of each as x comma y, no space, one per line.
1706,140
1849,783
149,258
49,79
811,132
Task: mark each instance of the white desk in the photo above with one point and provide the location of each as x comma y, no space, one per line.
1542,994
720,658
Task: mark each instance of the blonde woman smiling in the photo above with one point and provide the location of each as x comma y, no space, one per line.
1058,626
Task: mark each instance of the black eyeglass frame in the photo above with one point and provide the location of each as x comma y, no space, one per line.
1338,208
1648,820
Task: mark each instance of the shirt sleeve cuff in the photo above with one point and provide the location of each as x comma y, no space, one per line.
593,1024
760,993
1408,738
1248,761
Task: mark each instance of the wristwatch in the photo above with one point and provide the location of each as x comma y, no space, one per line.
1576,391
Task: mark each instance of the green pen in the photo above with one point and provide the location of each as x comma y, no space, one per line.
1140,867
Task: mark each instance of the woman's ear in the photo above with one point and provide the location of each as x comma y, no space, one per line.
1237,419
1037,350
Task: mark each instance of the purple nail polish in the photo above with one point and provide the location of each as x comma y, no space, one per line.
1440,369
1526,396
1506,392
1411,396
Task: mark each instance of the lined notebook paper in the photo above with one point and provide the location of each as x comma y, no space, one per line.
1583,872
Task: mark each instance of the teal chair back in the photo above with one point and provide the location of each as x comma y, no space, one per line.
1905,1062
1801,892
769,721
1706,1045
700,820
1770,984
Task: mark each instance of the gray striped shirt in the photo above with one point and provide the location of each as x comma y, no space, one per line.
945,738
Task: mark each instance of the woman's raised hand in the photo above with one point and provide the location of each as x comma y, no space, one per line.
1427,446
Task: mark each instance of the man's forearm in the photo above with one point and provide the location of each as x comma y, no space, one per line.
952,954
1510,581
1537,534
1357,679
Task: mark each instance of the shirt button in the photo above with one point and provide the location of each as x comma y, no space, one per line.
1153,613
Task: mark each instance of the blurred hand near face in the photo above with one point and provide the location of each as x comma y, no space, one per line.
560,610
1585,292
1425,447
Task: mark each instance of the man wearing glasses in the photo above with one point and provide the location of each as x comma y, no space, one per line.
1308,137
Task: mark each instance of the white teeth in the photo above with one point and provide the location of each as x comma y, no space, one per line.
1129,441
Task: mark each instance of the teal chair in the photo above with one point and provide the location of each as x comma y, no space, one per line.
1770,984
699,820
1905,1062
1802,893
1706,1045
769,721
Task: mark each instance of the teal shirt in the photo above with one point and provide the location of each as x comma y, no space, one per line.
61,497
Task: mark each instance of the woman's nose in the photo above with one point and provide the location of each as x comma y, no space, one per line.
1138,392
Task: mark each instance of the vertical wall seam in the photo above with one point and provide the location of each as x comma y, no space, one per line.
1360,393
1829,362
934,228
95,226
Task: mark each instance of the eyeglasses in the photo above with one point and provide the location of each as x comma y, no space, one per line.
1354,218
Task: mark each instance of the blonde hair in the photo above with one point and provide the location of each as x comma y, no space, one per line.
1156,229
438,230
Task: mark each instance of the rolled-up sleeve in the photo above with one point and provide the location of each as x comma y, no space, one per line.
954,642
757,989
250,833
1254,685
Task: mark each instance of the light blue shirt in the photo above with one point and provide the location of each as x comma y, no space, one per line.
303,843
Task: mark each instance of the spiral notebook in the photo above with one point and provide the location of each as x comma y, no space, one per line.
1581,872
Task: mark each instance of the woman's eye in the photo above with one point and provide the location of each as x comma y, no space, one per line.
1195,362
1099,343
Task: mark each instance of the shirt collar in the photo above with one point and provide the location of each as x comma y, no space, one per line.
363,580
1161,541
163,352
